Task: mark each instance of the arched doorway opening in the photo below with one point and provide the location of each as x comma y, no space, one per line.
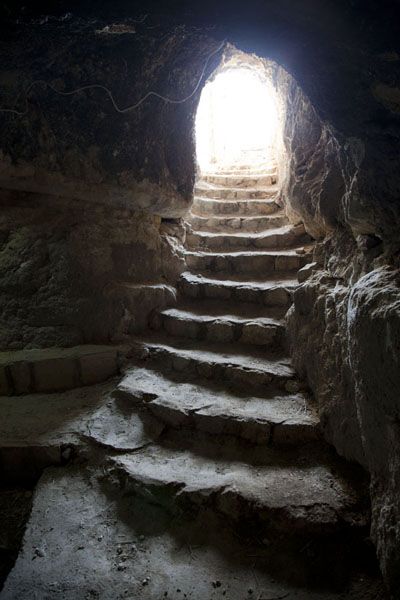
237,122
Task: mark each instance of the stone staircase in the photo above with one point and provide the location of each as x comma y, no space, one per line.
240,433
201,473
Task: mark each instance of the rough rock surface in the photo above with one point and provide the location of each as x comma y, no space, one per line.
71,274
342,130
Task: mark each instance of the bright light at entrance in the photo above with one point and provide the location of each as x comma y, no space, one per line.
236,122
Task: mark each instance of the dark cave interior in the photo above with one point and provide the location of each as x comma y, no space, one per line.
198,369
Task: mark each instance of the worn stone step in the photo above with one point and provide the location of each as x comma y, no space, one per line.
194,322
85,538
56,369
229,224
241,180
236,363
276,291
250,207
282,419
261,261
281,237
215,192
297,499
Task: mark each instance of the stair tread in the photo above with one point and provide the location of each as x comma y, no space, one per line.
264,282
270,200
204,312
304,492
247,358
184,398
205,185
255,252
282,230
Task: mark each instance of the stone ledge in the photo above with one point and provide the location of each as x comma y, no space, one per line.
56,369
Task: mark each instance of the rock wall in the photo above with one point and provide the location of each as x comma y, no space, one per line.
71,274
84,254
345,322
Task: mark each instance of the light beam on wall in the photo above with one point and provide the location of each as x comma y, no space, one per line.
236,122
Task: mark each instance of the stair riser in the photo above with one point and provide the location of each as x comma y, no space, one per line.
236,224
230,503
278,296
260,432
239,208
237,181
235,194
245,264
254,379
224,331
229,242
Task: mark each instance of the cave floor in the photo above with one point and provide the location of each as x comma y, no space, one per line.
92,535
200,472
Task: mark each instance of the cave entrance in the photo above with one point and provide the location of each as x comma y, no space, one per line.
237,121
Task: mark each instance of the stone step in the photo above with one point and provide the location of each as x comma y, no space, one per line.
241,180
205,206
266,261
283,419
297,499
238,364
229,224
206,190
195,323
56,369
281,237
277,291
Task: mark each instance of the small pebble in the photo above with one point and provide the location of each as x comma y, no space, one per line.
40,552
121,567
66,453
216,584
249,591
99,538
119,550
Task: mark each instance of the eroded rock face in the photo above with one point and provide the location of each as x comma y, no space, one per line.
345,328
73,273
71,134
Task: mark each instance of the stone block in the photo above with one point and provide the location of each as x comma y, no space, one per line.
287,262
5,387
220,331
305,272
21,377
55,374
98,367
259,335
